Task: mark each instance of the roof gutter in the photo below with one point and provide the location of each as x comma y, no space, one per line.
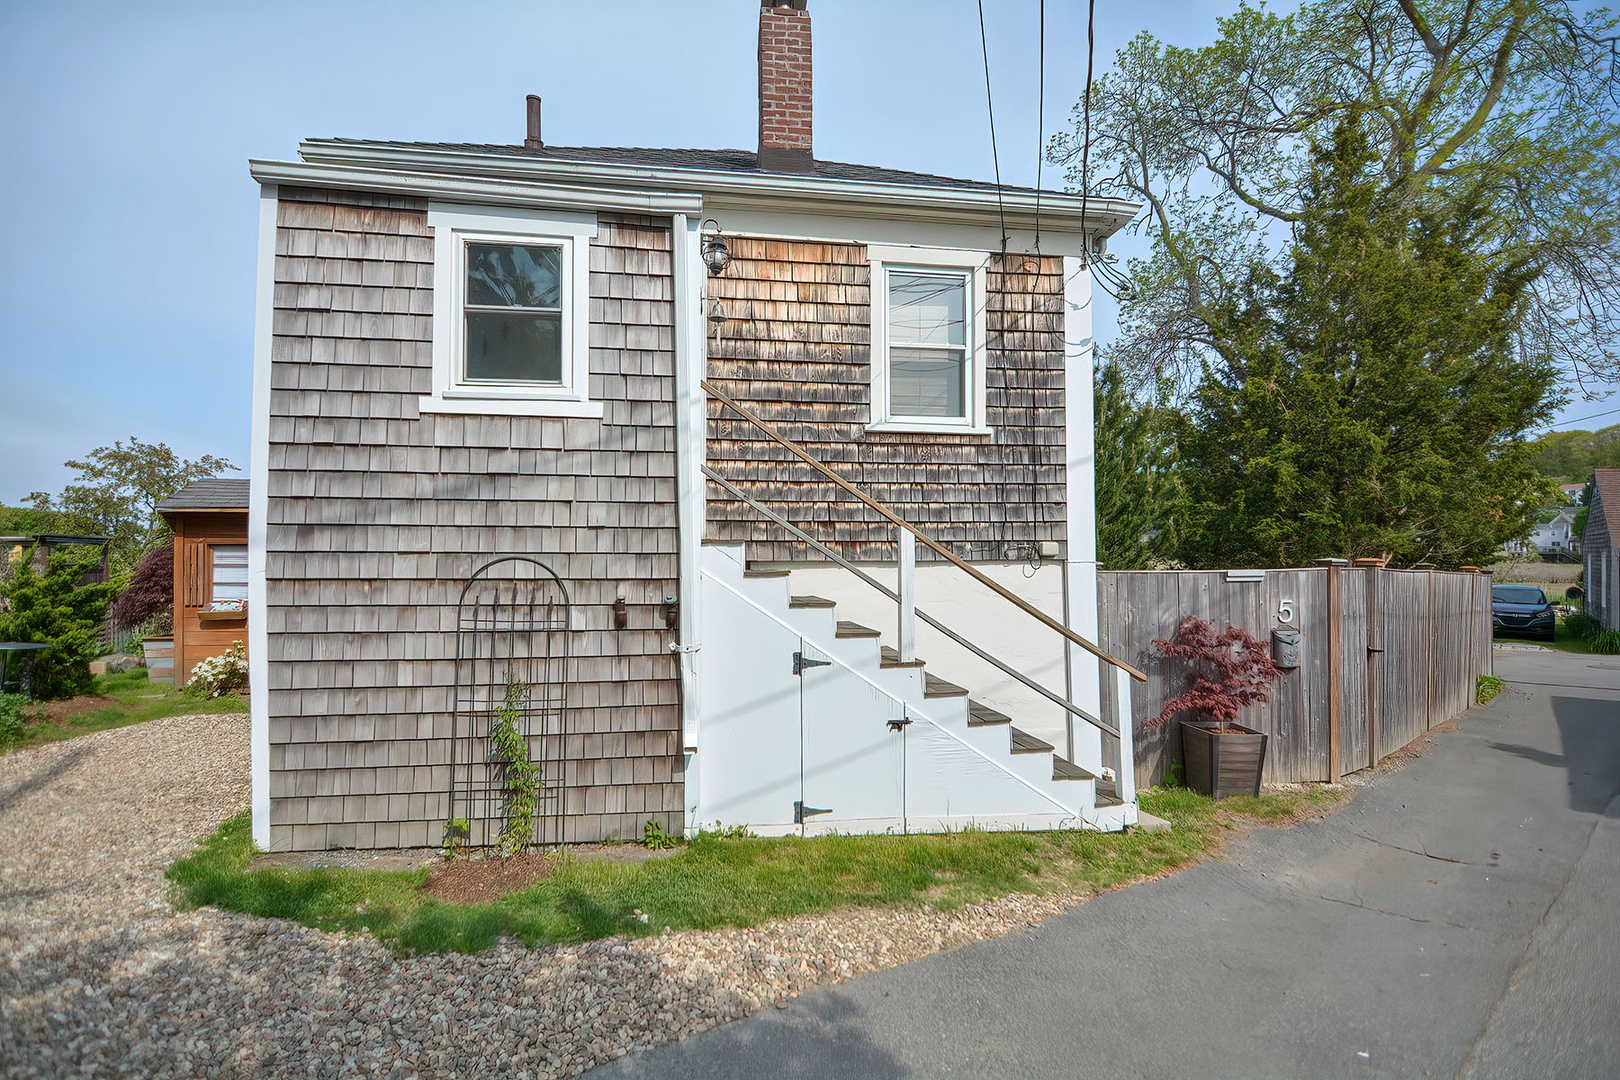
1057,211
475,190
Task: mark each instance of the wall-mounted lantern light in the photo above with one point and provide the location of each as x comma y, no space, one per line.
621,613
670,609
716,256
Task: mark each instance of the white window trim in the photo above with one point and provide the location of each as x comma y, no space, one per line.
453,226
886,257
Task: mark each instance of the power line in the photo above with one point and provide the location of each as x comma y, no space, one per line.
1040,133
995,156
1085,146
1581,419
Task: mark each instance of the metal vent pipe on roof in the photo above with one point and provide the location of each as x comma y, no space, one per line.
531,138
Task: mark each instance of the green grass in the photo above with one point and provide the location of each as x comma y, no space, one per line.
1563,640
714,882
134,700
1488,687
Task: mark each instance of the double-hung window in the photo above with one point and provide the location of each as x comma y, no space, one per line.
928,342
511,311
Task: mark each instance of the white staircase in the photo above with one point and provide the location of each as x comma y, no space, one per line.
808,724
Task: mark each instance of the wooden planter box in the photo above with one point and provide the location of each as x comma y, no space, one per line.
1219,764
159,653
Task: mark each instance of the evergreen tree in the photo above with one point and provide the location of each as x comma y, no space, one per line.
1137,493
1369,400
57,609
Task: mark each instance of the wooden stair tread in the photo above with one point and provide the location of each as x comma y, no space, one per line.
1108,794
847,629
980,714
1025,743
1064,769
936,687
811,602
748,573
890,657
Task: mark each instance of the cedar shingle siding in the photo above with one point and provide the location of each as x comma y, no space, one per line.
377,515
796,348
1600,550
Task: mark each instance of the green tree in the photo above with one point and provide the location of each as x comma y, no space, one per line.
1137,494
1505,106
57,609
1570,456
1372,401
117,491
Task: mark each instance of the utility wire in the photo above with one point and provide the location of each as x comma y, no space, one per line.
1040,134
1085,146
1593,416
995,156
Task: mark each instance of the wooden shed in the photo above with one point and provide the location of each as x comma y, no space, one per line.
210,523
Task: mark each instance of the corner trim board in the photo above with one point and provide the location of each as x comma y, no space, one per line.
258,518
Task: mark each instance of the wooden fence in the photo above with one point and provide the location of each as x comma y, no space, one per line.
1399,651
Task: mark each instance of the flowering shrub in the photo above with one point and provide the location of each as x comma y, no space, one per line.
1231,670
220,675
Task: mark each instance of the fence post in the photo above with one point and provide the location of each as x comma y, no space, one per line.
908,596
1375,652
1335,621
1125,720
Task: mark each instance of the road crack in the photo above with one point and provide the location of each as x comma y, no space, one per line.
1358,903
1414,851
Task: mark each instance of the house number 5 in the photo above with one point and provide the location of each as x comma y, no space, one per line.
1285,613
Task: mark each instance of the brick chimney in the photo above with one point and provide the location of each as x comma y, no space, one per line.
784,86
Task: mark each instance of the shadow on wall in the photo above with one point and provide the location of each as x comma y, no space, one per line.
1589,731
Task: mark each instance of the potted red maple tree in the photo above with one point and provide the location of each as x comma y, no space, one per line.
1231,671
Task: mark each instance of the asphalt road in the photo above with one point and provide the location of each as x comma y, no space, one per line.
1460,917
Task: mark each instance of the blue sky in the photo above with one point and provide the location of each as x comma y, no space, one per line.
126,282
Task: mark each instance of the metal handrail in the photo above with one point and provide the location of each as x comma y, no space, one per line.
1055,698
923,538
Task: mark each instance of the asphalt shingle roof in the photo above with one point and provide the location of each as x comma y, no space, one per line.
1608,486
738,161
214,493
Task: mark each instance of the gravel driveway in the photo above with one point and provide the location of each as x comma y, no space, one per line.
99,976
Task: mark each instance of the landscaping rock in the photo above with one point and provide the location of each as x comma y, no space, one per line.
100,976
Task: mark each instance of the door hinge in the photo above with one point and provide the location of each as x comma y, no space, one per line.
801,811
800,662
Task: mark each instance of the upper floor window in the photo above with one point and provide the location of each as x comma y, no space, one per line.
511,312
928,339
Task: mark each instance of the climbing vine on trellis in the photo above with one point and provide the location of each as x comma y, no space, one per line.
523,782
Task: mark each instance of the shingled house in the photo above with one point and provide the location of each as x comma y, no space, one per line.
1600,549
587,436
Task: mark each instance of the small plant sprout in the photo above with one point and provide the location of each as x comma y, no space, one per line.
456,832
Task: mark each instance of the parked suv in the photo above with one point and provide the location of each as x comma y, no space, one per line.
1522,609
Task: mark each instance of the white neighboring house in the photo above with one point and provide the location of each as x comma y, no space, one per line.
1556,539
1552,536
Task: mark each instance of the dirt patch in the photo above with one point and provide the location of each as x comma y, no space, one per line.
1419,746
481,880
60,712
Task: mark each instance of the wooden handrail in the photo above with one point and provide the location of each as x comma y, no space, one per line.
923,538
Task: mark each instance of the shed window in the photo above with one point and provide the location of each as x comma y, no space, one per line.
511,308
928,340
230,572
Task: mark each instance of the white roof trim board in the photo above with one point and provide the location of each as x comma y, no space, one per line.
507,178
